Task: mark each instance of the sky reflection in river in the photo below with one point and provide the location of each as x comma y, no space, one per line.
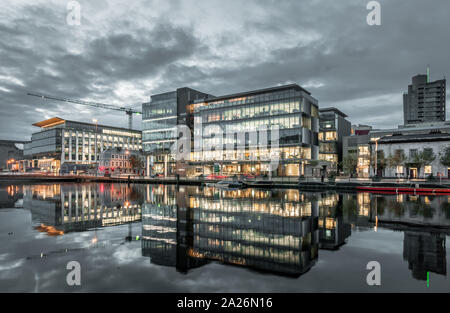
156,238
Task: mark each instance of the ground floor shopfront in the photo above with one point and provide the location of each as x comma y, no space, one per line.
165,166
251,168
42,165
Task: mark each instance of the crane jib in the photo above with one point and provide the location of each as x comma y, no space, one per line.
128,111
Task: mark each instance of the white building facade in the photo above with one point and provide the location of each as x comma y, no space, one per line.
410,145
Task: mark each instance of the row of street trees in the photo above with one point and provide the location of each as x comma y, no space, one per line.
420,160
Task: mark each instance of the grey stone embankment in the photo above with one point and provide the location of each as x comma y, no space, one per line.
307,186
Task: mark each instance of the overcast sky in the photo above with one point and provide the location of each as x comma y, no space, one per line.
124,51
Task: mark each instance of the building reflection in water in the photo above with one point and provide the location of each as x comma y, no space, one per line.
333,229
425,252
277,231
270,231
11,196
424,220
78,207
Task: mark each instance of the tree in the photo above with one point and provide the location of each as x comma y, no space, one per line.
428,156
136,162
398,159
422,159
445,157
350,164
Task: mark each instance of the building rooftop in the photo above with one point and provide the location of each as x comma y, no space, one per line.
258,91
55,121
415,138
50,122
335,110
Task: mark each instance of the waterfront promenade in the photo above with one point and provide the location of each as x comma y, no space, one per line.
310,183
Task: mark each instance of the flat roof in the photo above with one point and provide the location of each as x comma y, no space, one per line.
54,121
335,110
50,122
258,91
415,138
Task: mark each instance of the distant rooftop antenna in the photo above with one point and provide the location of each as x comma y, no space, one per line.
428,73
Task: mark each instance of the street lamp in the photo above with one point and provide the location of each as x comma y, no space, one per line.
376,155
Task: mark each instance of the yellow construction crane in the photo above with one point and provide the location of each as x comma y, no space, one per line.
128,111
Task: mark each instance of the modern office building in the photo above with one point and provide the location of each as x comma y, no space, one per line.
237,134
62,141
333,128
159,123
424,101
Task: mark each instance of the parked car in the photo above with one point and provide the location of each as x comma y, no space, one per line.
214,176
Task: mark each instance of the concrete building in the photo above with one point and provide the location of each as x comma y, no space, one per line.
333,128
358,147
361,129
10,151
62,141
424,101
231,131
410,145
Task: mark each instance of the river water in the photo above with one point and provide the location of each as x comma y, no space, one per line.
157,238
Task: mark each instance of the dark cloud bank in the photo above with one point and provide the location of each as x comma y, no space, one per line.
123,53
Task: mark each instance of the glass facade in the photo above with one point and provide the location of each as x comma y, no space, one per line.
159,122
161,116
247,120
333,127
80,207
79,143
264,230
328,148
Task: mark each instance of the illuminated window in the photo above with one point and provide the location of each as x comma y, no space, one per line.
428,169
363,150
330,136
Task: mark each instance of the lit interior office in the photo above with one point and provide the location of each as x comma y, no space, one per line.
293,112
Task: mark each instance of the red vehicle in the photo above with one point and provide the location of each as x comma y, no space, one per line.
217,177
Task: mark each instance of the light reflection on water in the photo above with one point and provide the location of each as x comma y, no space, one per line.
283,233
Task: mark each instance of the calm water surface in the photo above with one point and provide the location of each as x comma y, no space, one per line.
155,238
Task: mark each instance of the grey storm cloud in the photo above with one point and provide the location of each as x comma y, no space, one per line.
124,52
